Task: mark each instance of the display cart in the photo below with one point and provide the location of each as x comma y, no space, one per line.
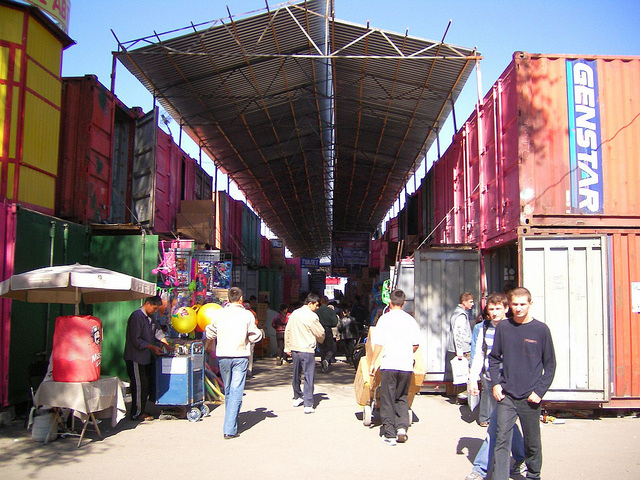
366,385
180,379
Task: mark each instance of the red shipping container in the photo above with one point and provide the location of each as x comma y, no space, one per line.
77,348
553,145
95,143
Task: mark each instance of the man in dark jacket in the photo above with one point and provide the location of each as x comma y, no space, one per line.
522,365
143,335
329,320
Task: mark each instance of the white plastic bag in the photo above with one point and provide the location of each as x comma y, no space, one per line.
460,370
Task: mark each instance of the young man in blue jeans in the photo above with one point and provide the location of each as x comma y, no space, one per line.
522,364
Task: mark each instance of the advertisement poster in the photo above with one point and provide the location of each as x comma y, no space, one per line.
349,252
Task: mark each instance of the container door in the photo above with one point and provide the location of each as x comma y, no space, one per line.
403,273
441,275
568,281
143,187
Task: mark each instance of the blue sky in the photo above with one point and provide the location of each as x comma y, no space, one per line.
496,28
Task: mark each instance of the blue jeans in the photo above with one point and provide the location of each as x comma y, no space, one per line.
484,457
507,411
234,373
303,364
487,401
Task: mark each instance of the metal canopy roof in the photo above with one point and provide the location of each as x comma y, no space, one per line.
319,122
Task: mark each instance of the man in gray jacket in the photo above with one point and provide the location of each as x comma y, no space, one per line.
304,331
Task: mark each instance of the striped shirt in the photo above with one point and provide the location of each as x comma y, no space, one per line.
481,359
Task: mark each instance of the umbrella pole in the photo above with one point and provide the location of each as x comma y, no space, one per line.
77,305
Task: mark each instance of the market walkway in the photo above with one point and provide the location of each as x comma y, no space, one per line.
279,441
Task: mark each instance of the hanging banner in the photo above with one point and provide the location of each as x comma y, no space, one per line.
584,137
349,252
58,10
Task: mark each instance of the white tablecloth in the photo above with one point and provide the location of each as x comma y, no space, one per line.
103,398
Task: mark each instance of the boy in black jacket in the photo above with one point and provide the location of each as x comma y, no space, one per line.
524,347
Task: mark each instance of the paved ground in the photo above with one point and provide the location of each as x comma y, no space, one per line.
279,441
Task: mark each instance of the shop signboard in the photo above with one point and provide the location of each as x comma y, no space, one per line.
349,252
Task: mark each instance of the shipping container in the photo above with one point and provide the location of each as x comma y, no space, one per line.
114,161
30,87
272,281
95,152
250,237
231,227
542,179
553,145
265,252
440,275
569,283
162,176
31,240
247,279
135,255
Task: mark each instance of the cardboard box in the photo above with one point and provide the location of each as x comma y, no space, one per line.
221,294
199,226
262,312
361,384
198,206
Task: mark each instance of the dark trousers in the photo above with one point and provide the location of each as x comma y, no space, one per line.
303,364
280,340
328,347
508,410
349,346
394,405
140,383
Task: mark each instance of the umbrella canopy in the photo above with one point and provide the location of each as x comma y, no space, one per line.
72,283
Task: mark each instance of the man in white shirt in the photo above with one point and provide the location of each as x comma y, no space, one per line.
396,338
235,329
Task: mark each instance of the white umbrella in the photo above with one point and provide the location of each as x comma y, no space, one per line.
71,283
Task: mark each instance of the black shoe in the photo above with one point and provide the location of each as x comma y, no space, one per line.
325,366
229,437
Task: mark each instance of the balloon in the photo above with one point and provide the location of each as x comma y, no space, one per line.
205,315
183,320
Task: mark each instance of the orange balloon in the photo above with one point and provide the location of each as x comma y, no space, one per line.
184,320
205,315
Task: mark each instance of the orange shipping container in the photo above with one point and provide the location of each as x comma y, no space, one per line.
553,145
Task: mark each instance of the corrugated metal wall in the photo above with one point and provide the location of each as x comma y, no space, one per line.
625,249
30,122
512,169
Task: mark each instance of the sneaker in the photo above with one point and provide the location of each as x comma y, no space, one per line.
474,476
483,424
402,435
388,441
519,468
325,366
309,409
297,402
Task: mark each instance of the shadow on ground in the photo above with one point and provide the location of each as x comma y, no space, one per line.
267,374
